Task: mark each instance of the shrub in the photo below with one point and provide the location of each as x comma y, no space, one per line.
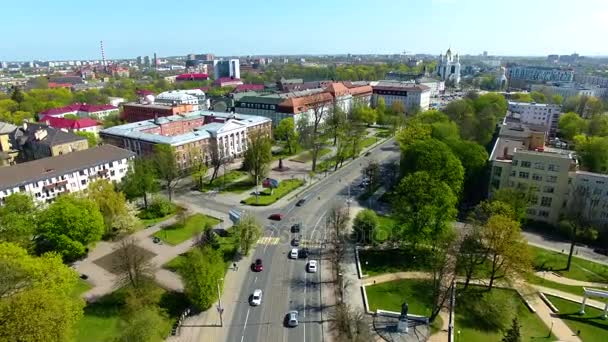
160,207
489,311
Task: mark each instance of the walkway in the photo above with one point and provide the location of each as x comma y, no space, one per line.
567,281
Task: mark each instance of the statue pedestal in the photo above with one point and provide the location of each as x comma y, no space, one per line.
402,326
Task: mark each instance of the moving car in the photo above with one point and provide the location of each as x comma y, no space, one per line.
300,202
303,253
312,266
256,297
257,266
276,217
292,318
296,228
293,254
295,242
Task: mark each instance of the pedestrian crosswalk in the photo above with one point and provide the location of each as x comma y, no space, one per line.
311,244
268,240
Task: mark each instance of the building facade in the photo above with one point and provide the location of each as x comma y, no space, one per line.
448,67
134,112
411,95
47,178
82,110
37,141
539,114
539,74
226,68
570,89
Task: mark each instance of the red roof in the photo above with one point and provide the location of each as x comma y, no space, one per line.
78,107
68,123
191,77
59,85
248,87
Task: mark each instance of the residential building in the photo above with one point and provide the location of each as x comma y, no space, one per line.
539,74
436,87
192,77
36,141
7,152
133,112
74,125
228,68
569,89
448,67
192,134
227,82
538,114
82,110
413,96
45,179
591,80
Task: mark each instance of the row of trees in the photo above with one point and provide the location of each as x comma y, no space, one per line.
590,138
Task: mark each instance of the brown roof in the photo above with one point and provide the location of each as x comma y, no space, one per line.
360,90
41,169
300,104
337,89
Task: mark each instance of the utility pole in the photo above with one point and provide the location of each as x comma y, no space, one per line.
220,309
256,189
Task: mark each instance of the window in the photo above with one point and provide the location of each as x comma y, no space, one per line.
524,175
543,213
597,191
546,201
81,172
531,211
525,163
553,167
551,179
539,166
515,162
83,182
497,171
537,177
513,173
548,189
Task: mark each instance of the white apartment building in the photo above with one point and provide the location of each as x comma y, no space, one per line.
567,90
45,179
410,94
539,114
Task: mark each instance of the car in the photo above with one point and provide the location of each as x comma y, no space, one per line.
292,318
293,254
257,266
276,217
256,298
296,228
295,242
300,202
312,266
303,253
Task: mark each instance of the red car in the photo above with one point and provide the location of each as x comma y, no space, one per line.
276,217
257,266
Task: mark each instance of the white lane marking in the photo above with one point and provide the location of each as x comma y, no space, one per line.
245,325
255,279
317,224
305,286
290,210
271,235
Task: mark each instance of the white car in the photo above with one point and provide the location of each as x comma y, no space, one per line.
312,266
256,297
293,253
292,319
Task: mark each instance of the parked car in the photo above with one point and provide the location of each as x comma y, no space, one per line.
276,217
312,266
303,253
296,228
293,254
295,242
292,319
300,202
257,266
256,297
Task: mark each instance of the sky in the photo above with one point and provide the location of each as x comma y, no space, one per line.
72,29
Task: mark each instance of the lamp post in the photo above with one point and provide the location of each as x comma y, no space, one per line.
220,309
550,329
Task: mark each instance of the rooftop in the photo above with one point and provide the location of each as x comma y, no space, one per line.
191,77
399,86
78,107
52,136
6,128
69,123
41,169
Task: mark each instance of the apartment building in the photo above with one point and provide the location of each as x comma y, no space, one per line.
538,114
539,74
45,179
413,96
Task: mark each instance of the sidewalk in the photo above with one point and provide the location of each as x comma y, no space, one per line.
567,281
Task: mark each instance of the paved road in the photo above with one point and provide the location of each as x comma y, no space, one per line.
285,283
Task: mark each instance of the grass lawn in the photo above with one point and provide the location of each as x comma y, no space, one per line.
227,245
383,134
265,198
385,228
306,156
593,328
375,262
575,290
284,152
81,287
177,233
101,319
367,142
148,222
239,187
224,181
580,269
471,326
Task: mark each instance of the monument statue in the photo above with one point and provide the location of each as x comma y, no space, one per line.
280,163
404,309
402,325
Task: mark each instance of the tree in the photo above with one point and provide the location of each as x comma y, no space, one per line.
571,125
580,214
203,269
372,173
18,219
538,97
414,130
335,122
381,106
166,166
147,324
397,108
513,334
517,199
36,301
198,168
424,208
507,250
248,230
443,274
557,99
112,205
319,108
92,139
364,114
286,131
140,180
593,153
258,156
471,254
68,225
132,264
598,125
17,95
364,226
437,159
350,325
40,83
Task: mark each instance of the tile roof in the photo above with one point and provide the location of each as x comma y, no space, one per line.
337,89
191,77
248,87
301,104
78,107
69,123
53,136
41,169
6,128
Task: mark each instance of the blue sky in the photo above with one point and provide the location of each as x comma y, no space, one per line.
69,29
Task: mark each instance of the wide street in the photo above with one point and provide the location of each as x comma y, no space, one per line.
285,283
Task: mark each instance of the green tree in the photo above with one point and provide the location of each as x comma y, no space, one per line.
198,168
593,106
248,230
365,225
424,207
140,180
593,153
18,219
463,113
571,125
258,156
513,334
437,159
166,166
68,225
40,83
381,106
335,121
517,199
36,301
201,273
538,97
364,115
92,138
132,265
557,99
579,217
598,125
286,131
17,95
112,205
397,108
414,130
148,324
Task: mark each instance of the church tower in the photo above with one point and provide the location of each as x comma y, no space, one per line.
448,67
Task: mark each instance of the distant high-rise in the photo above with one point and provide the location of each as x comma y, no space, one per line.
138,60
229,68
485,53
155,60
146,61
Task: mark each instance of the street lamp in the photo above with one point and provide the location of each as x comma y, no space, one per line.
220,309
550,329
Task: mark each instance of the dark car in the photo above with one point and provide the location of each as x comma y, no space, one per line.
257,266
276,217
295,242
300,202
296,228
303,253
368,153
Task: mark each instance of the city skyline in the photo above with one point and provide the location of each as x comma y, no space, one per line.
277,28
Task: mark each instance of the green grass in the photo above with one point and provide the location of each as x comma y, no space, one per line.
367,142
306,156
228,246
470,327
265,198
81,287
593,328
224,181
383,134
575,290
154,221
178,233
239,187
284,152
386,225
375,262
547,260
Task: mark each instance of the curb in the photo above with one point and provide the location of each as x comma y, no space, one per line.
548,302
365,303
359,271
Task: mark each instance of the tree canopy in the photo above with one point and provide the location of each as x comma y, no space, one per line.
18,219
201,273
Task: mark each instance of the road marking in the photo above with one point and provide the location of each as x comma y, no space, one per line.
255,279
245,325
316,224
290,210
304,314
